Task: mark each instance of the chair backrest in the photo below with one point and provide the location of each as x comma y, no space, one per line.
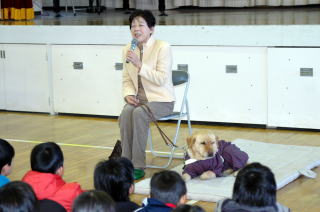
179,77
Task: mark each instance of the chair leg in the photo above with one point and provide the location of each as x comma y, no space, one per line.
73,8
150,143
99,6
166,165
188,118
171,155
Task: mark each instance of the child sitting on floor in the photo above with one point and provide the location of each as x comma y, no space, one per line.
167,191
93,201
6,156
115,176
254,190
45,176
17,196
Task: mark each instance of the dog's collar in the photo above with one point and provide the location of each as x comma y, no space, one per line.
192,160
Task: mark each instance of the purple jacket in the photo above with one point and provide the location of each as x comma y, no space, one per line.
229,156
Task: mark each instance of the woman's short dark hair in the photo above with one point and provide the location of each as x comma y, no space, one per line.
94,200
46,157
114,176
6,153
146,15
167,186
255,185
17,196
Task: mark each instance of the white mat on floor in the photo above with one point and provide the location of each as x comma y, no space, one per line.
287,162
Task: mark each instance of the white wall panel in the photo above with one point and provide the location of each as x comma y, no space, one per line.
26,78
293,100
2,82
94,90
220,35
225,97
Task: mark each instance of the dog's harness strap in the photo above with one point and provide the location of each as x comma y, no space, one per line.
165,138
189,161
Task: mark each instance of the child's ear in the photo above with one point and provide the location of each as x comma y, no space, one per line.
182,200
60,171
131,189
6,170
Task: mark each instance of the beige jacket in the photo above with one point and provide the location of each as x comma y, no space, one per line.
156,73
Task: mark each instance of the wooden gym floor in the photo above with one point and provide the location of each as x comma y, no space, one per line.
87,140
309,15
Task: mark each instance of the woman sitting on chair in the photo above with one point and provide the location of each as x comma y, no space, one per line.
147,79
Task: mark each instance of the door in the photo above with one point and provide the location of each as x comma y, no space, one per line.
26,78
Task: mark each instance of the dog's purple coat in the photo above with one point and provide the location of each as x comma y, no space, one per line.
229,156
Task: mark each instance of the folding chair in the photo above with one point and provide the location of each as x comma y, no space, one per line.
178,78
74,9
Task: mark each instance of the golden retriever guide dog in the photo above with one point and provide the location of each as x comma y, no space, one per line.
208,157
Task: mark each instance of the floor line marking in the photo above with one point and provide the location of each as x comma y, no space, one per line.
191,202
82,145
62,144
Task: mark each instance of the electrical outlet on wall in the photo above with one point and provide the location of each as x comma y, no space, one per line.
78,65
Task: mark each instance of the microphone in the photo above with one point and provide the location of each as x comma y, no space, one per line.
134,44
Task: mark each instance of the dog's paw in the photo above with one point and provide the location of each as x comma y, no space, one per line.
227,172
207,175
236,173
186,177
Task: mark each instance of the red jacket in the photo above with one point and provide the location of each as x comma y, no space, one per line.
52,186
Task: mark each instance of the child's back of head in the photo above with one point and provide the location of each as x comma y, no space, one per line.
188,208
115,176
6,156
168,187
97,201
17,196
46,157
255,185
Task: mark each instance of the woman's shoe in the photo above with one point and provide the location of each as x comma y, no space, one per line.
138,174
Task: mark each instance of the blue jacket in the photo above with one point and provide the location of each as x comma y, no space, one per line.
154,205
3,180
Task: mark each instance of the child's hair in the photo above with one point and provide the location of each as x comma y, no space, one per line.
17,196
6,153
97,201
255,185
46,157
146,15
188,208
167,187
114,176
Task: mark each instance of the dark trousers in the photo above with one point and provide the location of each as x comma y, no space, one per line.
97,4
125,4
56,6
162,5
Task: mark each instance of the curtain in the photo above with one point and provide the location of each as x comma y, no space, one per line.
17,10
